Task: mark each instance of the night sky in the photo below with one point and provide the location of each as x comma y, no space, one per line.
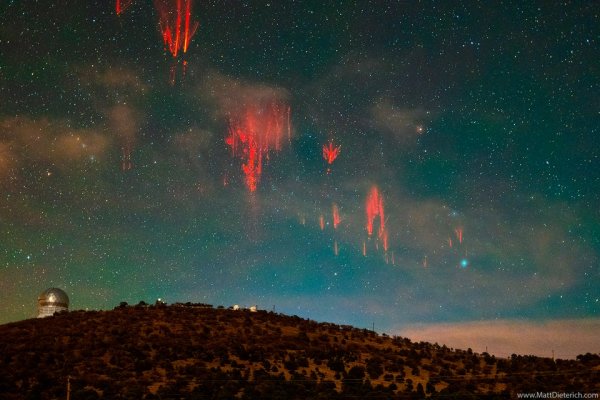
476,123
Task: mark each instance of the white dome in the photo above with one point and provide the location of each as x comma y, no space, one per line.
51,301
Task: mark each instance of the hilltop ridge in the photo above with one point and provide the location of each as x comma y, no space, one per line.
195,351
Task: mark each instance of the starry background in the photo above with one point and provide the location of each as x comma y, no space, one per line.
475,116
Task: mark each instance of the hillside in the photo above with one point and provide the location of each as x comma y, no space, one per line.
199,352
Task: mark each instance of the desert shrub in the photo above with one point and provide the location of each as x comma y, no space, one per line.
374,367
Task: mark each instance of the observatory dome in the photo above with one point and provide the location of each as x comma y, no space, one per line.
51,301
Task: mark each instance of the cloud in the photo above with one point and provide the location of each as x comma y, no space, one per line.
118,93
567,338
7,160
124,122
119,77
79,144
517,258
366,92
404,124
55,143
115,82
232,95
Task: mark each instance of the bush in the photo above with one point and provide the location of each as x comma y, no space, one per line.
374,368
